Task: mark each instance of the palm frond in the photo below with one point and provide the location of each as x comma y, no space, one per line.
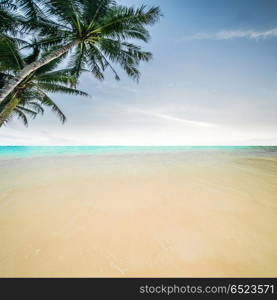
95,10
77,61
56,88
20,115
7,15
33,56
11,58
127,55
31,9
127,21
3,78
47,101
28,111
63,76
34,106
98,63
63,9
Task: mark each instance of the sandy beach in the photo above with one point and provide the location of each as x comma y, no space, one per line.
139,214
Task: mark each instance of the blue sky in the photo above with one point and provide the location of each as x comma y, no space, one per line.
213,81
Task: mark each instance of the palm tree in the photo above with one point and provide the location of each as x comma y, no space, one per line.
97,33
31,95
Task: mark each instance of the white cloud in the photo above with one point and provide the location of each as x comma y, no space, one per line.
174,119
232,34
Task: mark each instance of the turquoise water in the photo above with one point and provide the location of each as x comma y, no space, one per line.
7,152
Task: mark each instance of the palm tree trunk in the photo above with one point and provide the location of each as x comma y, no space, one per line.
11,84
9,107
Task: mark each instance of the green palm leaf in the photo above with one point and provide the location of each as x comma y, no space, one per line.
30,112
63,76
11,58
20,115
47,101
56,88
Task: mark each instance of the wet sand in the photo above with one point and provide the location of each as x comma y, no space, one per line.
139,215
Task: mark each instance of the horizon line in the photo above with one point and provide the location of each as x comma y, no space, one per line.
258,145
